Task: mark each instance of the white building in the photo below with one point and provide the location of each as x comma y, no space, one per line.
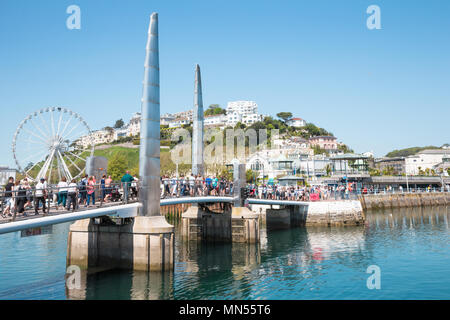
5,174
242,107
184,114
96,137
296,122
242,111
251,118
166,119
426,159
179,122
120,133
134,126
233,118
216,120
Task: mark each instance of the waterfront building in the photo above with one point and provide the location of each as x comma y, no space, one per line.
423,160
349,163
5,174
278,162
444,166
397,164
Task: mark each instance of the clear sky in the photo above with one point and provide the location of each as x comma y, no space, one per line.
374,89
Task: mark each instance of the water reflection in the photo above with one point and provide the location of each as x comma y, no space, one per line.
123,285
408,218
300,263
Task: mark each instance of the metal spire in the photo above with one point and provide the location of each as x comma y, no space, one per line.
149,158
197,139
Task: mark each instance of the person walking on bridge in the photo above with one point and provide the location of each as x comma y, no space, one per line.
8,197
72,195
62,192
126,183
40,195
90,191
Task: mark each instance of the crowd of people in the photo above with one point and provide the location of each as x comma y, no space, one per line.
20,195
195,185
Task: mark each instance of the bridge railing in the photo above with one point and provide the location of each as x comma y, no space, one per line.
54,198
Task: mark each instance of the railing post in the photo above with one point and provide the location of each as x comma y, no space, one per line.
15,206
48,202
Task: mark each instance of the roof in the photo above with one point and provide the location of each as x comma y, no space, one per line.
435,151
295,119
348,156
291,178
317,137
388,159
281,158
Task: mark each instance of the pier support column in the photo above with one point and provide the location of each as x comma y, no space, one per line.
145,243
244,225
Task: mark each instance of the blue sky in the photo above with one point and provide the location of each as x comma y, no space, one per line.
374,89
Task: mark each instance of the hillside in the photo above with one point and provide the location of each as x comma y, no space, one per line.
408,151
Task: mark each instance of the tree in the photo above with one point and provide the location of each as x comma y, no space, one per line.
117,166
284,115
214,109
250,176
119,124
110,130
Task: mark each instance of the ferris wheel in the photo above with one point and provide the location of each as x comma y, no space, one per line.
52,143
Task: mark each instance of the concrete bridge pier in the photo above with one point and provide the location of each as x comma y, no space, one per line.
145,242
236,225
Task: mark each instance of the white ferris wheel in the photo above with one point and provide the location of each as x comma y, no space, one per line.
52,143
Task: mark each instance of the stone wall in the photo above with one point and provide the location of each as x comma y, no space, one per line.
402,200
324,213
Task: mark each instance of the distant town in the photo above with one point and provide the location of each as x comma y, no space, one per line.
301,149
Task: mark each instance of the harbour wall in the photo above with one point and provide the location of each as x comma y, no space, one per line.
404,200
324,213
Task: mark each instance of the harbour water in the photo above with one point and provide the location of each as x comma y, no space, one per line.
411,246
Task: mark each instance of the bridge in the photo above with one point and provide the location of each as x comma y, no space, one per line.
146,241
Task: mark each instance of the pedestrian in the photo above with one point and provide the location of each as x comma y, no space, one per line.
108,188
192,185
21,198
135,187
62,192
126,184
8,198
90,191
29,193
72,195
82,190
40,195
